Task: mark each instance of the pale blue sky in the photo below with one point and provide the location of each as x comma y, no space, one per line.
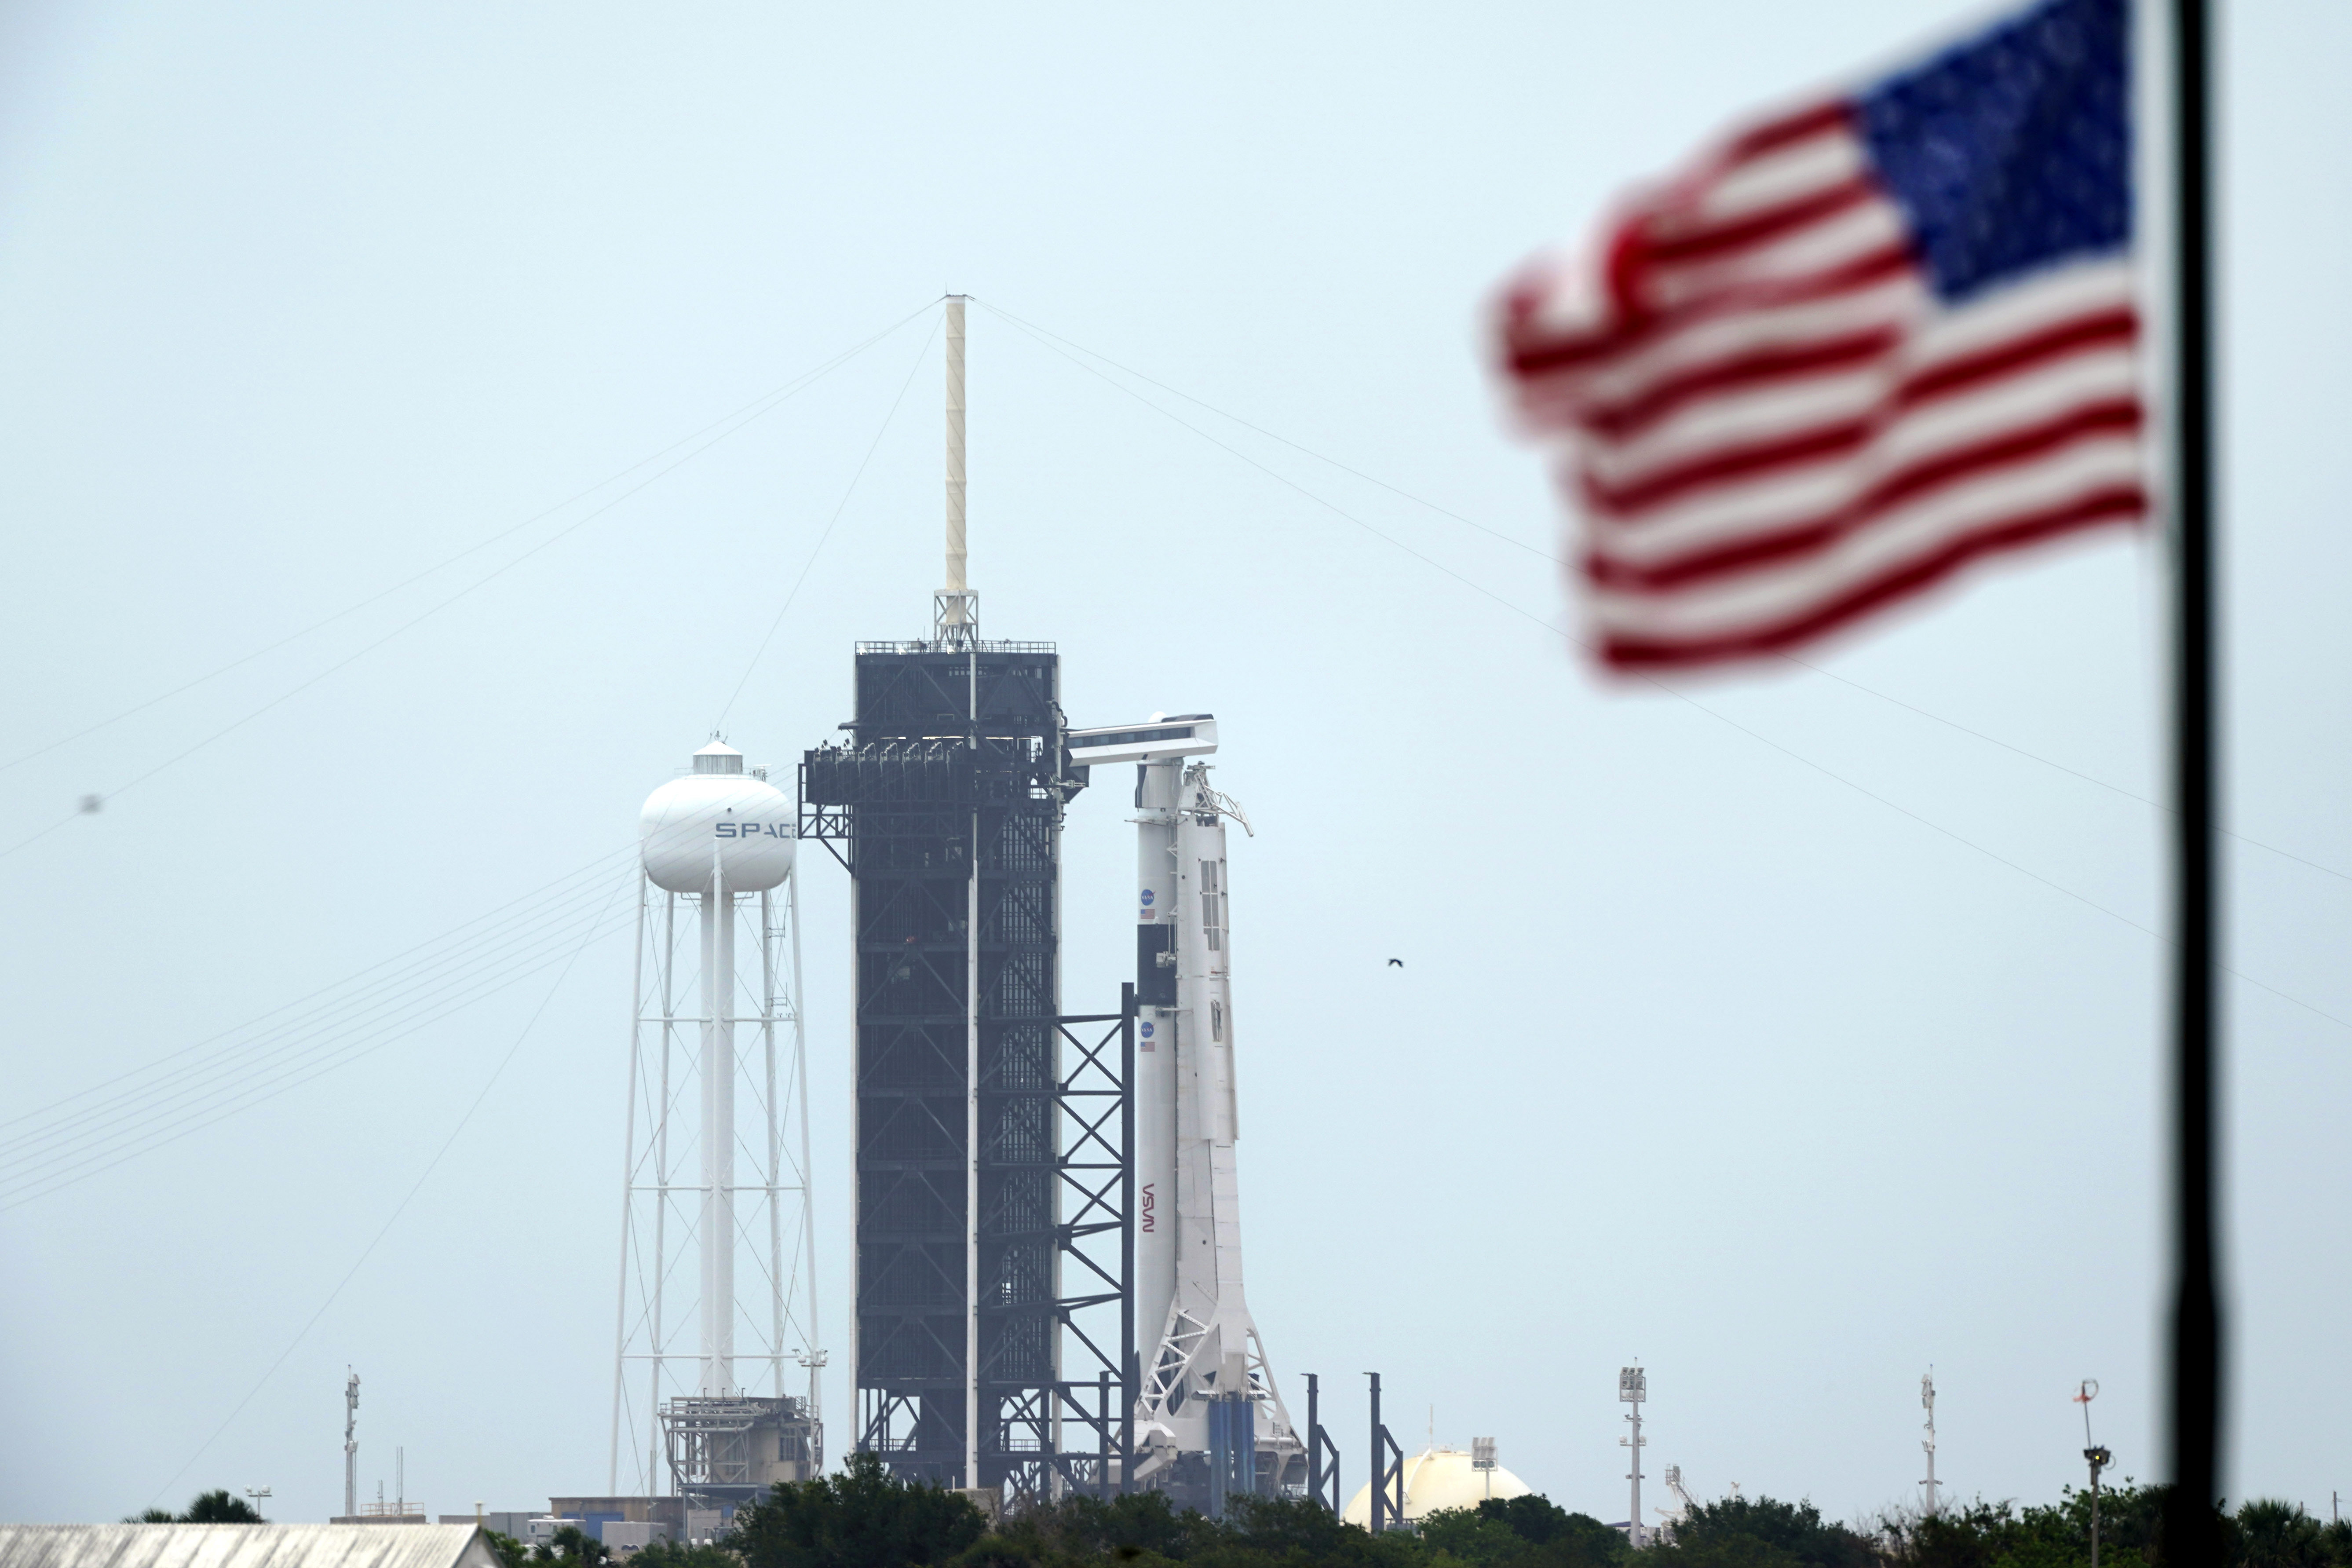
1726,1039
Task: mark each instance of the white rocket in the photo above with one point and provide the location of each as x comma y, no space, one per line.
1193,1325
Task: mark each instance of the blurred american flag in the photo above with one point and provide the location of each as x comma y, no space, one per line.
1852,349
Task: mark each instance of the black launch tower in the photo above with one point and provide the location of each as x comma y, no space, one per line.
955,762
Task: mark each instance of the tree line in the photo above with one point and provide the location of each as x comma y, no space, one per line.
867,1518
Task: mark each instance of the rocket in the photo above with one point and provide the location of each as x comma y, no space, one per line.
1200,1350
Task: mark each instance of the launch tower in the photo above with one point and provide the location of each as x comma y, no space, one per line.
991,1178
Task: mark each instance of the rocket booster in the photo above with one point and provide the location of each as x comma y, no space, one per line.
1156,956
1191,1321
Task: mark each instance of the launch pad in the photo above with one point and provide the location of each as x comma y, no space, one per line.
1048,1293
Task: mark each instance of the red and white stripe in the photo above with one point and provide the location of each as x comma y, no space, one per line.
1769,424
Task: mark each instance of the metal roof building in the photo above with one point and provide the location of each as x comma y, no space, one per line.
245,1546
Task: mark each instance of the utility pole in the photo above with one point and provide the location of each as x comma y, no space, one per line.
255,1495
1927,1398
2099,1459
351,1446
1633,1387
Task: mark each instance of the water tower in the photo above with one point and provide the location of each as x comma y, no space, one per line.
711,1415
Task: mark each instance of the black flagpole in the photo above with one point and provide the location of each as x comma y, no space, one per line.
2190,1535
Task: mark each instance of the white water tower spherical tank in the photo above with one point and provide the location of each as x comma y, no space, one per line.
720,812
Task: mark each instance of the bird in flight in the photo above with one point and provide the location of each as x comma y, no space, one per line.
1396,963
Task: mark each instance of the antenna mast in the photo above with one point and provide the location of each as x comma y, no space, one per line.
955,608
351,1446
1927,1398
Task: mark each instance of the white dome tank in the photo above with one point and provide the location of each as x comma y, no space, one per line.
720,809
1440,1479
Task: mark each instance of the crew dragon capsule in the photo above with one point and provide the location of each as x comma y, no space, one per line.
1208,1396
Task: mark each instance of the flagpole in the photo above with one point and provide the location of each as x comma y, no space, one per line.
2196,1308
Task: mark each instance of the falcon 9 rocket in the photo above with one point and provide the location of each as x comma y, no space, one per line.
1209,1419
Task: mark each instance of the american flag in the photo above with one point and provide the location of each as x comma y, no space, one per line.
1851,348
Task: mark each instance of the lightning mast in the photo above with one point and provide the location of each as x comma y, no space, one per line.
955,608
956,617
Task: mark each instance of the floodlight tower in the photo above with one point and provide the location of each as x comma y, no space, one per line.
2098,1457
1927,1398
1633,1387
721,842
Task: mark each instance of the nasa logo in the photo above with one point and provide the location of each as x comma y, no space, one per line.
753,830
1150,1218
1147,898
1147,1031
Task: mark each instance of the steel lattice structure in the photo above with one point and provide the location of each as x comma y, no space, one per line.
945,808
669,1432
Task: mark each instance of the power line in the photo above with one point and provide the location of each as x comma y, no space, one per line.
1563,561
437,608
430,1166
1511,540
451,934
817,549
143,1122
291,1046
341,1029
754,408
1651,680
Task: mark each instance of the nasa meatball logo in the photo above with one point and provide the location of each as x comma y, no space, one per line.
1147,896
1146,1032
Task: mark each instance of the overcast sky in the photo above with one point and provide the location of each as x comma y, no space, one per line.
1781,1034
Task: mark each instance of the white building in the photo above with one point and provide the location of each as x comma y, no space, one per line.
245,1546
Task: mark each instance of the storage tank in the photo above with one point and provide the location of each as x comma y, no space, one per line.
719,819
719,813
1438,1479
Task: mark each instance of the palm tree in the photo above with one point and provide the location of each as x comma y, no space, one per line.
216,1506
